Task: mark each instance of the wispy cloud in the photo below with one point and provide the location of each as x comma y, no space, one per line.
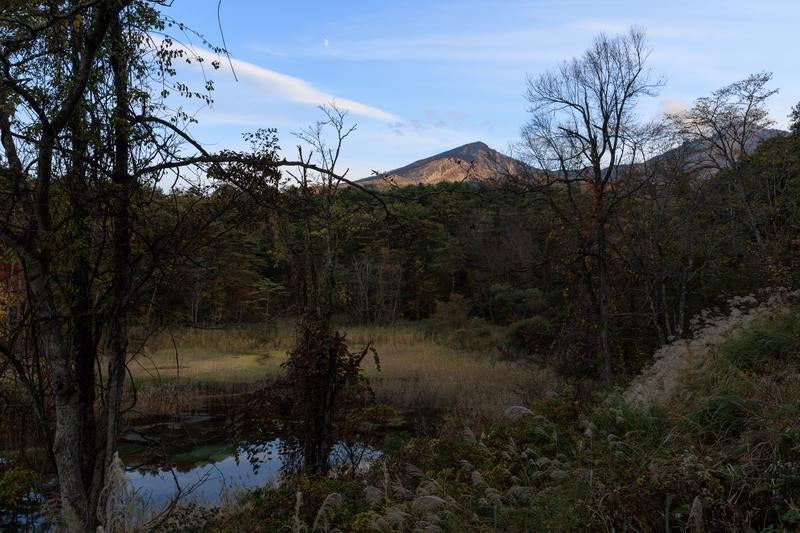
261,49
516,46
290,88
490,46
298,90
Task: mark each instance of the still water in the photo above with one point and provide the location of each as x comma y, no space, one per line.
207,480
224,471
192,458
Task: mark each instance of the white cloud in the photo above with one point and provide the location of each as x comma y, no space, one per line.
297,90
289,88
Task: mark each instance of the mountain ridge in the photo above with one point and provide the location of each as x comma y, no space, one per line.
475,162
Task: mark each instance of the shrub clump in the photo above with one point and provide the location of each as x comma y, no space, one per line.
452,325
15,484
531,336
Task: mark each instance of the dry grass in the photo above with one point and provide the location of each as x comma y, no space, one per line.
208,356
417,374
676,362
197,369
472,388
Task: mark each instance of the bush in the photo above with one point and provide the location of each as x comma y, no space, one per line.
452,325
321,399
530,336
505,303
476,335
15,484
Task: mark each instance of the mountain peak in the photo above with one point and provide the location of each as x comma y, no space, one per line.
466,151
477,145
474,161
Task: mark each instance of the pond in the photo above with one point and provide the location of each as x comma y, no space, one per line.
192,458
207,480
217,471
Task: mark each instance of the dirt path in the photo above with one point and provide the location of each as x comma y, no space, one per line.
674,362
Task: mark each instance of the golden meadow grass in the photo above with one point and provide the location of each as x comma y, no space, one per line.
196,368
474,388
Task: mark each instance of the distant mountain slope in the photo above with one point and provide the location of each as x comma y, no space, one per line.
470,162
699,154
477,162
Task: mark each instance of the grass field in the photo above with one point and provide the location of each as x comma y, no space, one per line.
198,368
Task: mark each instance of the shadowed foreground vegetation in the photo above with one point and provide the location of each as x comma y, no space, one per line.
723,455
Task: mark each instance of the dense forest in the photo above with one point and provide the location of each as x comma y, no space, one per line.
470,346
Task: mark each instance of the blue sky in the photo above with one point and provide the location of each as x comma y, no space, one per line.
419,77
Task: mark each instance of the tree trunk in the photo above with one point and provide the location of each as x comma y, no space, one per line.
603,347
602,303
67,437
120,260
84,344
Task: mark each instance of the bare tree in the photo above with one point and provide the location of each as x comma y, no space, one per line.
584,138
362,274
36,123
723,129
664,244
794,119
324,185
